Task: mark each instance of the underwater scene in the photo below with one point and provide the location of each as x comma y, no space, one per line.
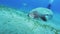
29,17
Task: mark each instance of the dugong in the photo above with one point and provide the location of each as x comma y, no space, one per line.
43,13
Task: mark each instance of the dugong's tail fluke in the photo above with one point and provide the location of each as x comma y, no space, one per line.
50,4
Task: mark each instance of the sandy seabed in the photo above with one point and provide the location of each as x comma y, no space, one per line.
16,22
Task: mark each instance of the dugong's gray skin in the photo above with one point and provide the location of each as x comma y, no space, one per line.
43,13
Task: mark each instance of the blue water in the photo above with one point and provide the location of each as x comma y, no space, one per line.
27,5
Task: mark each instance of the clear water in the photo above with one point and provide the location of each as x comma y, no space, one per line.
25,4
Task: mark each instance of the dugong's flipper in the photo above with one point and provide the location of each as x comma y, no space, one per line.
49,6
